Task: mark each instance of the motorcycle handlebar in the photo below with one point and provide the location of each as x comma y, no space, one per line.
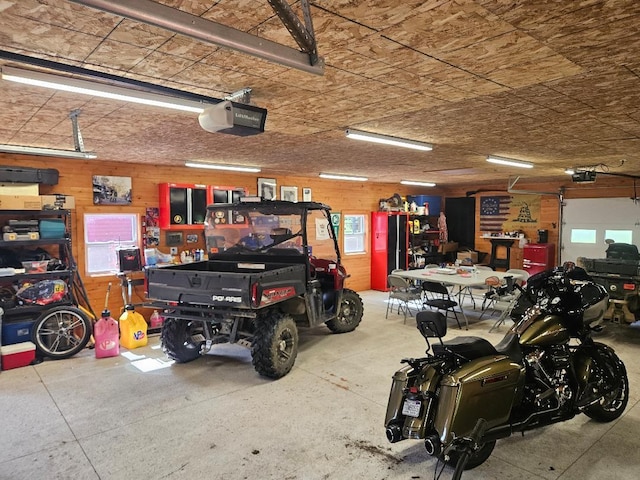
472,443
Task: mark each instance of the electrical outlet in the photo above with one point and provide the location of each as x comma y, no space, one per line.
173,250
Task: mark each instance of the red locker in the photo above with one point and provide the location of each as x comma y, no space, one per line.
389,246
538,257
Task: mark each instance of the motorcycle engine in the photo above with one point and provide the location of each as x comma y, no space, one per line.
549,368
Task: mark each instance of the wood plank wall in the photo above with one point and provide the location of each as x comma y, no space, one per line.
76,180
345,197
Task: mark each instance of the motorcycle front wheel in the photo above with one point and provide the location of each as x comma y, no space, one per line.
612,404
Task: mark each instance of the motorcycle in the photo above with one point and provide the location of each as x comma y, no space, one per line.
468,393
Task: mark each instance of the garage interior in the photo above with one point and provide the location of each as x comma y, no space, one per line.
555,84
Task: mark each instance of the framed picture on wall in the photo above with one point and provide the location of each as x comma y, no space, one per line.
306,194
267,188
108,190
290,194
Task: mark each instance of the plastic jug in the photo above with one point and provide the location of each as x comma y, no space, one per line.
133,329
106,333
156,320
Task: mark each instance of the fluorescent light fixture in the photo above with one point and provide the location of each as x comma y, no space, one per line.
235,168
343,177
387,140
509,162
67,84
47,152
419,184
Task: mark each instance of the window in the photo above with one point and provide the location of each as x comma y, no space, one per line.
354,233
104,235
619,236
579,235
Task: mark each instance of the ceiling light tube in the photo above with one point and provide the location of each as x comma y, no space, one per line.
509,162
46,152
234,168
343,177
67,84
419,184
387,140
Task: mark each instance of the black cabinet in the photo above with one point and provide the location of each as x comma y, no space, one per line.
184,206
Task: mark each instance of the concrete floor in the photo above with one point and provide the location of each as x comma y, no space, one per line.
84,418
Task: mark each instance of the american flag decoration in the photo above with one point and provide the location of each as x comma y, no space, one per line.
494,211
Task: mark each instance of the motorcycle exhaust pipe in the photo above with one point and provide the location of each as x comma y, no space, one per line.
433,445
394,433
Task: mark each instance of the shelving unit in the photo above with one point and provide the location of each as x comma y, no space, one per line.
423,244
54,304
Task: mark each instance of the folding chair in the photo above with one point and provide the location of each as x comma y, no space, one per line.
401,291
441,300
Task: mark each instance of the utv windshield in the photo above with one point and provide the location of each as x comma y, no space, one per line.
263,226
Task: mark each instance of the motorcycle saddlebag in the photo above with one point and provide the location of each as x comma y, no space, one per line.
45,176
483,388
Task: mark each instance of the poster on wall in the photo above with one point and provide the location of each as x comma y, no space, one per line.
494,211
524,212
108,190
335,222
151,237
506,213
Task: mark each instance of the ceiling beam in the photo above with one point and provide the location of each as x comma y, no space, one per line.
152,13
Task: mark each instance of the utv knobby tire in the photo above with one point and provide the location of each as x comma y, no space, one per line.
476,459
177,340
275,344
61,332
612,405
349,314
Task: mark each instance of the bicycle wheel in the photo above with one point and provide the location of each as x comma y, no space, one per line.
61,332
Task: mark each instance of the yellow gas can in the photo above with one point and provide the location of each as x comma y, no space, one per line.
133,329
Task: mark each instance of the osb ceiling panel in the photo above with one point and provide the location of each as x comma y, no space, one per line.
553,83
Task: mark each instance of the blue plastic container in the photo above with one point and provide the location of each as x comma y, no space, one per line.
51,228
16,332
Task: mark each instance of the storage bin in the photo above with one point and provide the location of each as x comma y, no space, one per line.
17,355
52,228
37,266
16,332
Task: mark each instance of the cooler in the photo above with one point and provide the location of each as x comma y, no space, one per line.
17,355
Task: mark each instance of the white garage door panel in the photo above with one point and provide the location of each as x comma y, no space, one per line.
598,214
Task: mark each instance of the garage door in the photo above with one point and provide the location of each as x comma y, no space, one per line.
587,222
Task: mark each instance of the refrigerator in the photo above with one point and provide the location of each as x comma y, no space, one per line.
538,257
389,246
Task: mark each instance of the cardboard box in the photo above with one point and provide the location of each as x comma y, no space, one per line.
57,201
19,189
463,255
18,355
20,202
